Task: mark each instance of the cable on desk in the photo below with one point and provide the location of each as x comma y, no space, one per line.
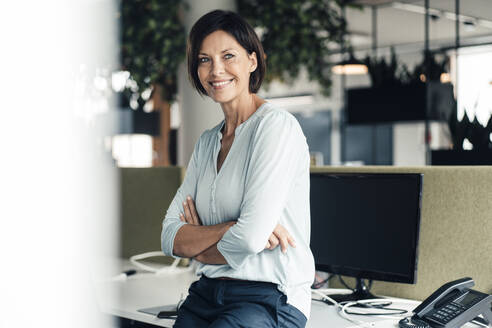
171,269
124,275
379,306
376,303
395,311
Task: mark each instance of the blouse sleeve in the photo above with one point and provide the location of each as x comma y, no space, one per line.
171,223
278,148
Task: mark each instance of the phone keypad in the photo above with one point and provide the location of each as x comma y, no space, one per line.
446,313
454,307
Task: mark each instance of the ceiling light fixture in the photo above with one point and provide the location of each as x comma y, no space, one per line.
467,20
352,66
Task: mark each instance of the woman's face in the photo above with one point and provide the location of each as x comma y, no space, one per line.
224,67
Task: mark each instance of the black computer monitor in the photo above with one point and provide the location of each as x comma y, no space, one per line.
366,225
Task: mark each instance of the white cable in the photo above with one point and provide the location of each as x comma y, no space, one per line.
360,323
135,258
343,314
342,308
171,269
386,300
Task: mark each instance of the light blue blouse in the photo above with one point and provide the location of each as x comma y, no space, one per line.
263,181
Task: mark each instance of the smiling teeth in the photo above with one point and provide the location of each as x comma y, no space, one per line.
218,84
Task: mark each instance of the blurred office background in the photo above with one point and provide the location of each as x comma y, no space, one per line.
438,63
91,88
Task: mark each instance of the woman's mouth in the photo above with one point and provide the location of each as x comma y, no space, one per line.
220,84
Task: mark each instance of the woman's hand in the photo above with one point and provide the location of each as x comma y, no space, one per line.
281,236
190,214
194,239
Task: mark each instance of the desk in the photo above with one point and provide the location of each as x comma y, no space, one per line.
123,299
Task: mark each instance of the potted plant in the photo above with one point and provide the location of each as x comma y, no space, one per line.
153,44
475,133
295,34
397,94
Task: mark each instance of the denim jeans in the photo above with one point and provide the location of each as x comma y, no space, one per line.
232,303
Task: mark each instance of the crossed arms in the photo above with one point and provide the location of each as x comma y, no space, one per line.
279,154
200,242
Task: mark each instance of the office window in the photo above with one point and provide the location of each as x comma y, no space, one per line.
317,129
367,144
132,150
475,83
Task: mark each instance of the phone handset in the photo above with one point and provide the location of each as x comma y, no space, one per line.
451,306
445,293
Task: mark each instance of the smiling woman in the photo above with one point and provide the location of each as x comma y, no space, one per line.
224,67
242,39
245,193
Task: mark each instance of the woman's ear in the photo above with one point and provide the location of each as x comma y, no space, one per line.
254,62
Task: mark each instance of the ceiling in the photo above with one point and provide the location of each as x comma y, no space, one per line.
402,23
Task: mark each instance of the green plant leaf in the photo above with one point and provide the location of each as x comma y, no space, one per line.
153,42
296,35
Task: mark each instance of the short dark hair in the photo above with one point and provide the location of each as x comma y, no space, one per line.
237,27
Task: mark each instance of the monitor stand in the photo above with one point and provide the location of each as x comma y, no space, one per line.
361,292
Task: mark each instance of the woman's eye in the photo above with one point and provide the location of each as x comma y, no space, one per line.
228,56
203,60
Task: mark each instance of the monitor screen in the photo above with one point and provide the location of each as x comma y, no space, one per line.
366,225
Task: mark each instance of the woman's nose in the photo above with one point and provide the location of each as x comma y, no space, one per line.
217,67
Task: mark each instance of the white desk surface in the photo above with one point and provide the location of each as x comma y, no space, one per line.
144,290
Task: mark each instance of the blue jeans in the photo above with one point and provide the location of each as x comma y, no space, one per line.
232,303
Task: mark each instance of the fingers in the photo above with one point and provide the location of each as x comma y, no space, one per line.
291,241
284,238
267,245
187,213
194,214
273,241
284,244
190,214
